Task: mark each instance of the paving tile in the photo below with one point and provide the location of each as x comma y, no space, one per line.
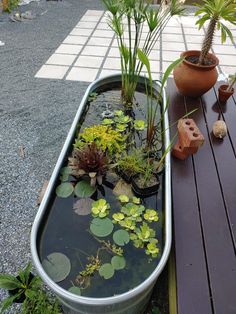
193,46
112,63
173,37
154,54
172,30
91,51
170,55
114,52
52,72
173,46
155,66
90,18
89,62
229,60
98,41
217,41
191,39
193,31
102,26
61,59
75,40
174,22
228,69
103,33
82,74
94,12
155,76
224,49
165,65
69,49
108,72
86,24
81,31
189,21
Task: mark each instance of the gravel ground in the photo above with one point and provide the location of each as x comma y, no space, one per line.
35,114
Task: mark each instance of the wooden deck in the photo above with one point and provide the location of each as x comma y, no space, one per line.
204,210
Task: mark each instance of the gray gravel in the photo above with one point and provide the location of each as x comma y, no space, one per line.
35,114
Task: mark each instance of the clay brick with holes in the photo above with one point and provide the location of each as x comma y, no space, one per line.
178,152
189,133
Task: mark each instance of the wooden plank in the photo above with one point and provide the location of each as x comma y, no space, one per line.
193,295
220,253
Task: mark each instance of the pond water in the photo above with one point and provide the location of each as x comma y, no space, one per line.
64,231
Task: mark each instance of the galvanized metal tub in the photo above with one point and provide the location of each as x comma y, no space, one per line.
135,300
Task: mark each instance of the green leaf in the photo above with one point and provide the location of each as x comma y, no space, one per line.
123,198
169,70
5,304
64,190
84,189
121,237
9,282
101,227
75,290
57,266
144,59
106,271
118,262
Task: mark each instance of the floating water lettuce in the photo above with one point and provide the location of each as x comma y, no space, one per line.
139,125
150,215
152,248
100,208
123,198
117,217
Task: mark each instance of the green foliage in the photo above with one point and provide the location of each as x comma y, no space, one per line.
64,190
117,217
152,248
121,237
215,11
132,162
91,267
75,290
132,58
232,81
57,266
84,189
36,300
107,139
100,208
118,262
92,96
123,198
139,125
150,215
12,4
133,211
107,121
101,227
65,173
142,235
106,271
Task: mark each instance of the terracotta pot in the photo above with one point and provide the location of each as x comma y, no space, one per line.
223,94
195,80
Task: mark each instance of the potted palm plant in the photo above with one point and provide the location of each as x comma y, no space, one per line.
197,74
227,90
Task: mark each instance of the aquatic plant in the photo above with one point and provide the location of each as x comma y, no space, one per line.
108,140
90,160
135,13
132,162
150,215
100,208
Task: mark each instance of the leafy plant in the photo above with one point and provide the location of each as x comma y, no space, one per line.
132,162
11,5
30,290
214,11
108,140
100,208
92,96
139,125
150,215
232,81
135,13
90,160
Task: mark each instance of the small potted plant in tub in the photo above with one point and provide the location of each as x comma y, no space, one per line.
227,90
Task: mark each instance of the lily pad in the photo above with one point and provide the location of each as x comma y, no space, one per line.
83,206
101,227
75,290
84,189
57,266
118,262
121,237
65,173
64,189
106,271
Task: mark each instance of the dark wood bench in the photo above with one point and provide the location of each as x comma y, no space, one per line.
204,210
